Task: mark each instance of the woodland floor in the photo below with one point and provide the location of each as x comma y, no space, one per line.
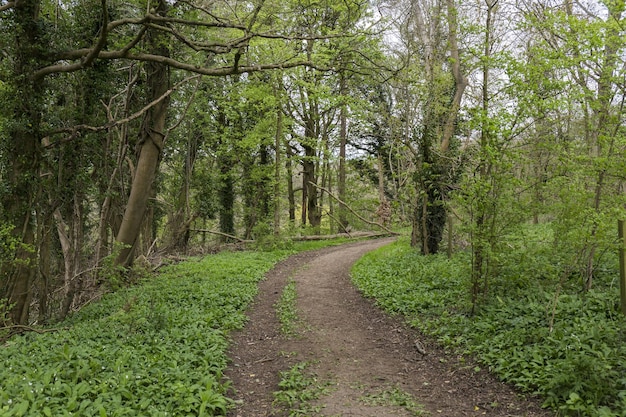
355,351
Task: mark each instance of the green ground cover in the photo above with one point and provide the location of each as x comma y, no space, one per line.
535,331
157,349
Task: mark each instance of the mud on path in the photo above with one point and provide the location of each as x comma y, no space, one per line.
356,351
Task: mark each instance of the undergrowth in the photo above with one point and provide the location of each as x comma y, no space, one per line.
394,396
287,311
535,331
157,349
298,389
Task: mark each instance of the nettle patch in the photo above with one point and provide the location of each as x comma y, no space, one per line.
157,349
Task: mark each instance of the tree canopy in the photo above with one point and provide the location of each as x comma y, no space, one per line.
144,128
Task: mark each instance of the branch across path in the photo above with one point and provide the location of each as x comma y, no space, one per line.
364,359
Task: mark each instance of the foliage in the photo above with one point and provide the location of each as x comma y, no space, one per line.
297,389
287,311
537,331
155,349
266,240
112,274
397,397
9,245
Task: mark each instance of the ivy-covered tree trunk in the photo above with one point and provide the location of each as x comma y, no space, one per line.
435,160
291,197
432,179
278,139
309,182
22,158
343,138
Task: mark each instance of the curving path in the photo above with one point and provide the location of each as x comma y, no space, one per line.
356,351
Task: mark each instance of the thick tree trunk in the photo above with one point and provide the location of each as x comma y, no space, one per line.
308,184
435,176
23,152
309,172
150,147
150,153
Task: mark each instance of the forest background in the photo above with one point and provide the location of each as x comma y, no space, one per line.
136,129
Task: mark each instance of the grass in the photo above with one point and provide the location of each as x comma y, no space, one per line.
157,349
566,346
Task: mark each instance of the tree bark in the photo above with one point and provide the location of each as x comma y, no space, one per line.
343,133
23,152
150,146
277,151
290,191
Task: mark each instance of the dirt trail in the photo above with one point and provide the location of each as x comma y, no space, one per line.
357,352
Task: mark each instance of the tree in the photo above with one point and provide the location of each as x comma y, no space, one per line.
217,40
587,47
22,141
429,33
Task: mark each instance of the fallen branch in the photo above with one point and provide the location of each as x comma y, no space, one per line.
352,211
20,328
353,235
345,230
215,232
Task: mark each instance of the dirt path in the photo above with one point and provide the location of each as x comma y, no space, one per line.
367,362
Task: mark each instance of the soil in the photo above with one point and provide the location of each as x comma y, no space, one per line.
355,351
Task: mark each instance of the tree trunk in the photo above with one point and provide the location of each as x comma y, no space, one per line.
150,146
481,238
434,162
343,129
291,197
308,186
277,151
226,195
23,153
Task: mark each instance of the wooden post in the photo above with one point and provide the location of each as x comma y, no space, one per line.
622,263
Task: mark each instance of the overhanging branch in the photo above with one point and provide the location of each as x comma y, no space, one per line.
7,6
76,129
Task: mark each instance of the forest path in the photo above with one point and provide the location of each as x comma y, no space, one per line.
365,363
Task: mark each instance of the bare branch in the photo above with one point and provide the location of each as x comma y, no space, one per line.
200,23
460,80
86,59
352,211
79,54
103,37
76,129
215,232
7,6
196,7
